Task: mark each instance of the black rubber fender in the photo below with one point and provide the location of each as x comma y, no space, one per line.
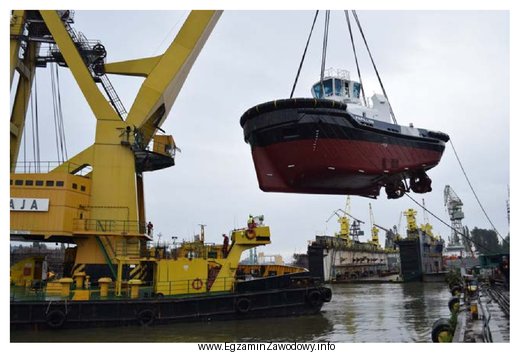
243,305
146,317
55,318
314,298
291,103
454,304
439,135
439,328
326,294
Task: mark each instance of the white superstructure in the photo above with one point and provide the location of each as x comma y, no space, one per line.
338,86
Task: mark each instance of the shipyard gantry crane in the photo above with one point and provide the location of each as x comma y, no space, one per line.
96,198
374,228
344,222
454,206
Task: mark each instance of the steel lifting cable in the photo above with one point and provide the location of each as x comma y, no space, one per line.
59,113
33,130
24,82
324,50
53,88
304,53
170,32
474,193
37,124
37,129
62,123
447,225
374,65
355,56
59,128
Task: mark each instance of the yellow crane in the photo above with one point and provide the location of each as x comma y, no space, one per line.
411,221
95,199
344,222
374,228
427,228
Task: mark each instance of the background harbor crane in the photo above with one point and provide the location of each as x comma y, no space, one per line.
454,206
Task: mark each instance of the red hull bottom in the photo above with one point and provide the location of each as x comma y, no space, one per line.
333,166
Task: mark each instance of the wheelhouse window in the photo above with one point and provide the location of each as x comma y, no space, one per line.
356,89
327,84
339,87
316,90
346,86
327,87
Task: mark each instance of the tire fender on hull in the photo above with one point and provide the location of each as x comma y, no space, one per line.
55,318
314,298
326,294
441,331
454,304
146,317
243,305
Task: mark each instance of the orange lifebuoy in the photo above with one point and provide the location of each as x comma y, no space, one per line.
197,284
250,234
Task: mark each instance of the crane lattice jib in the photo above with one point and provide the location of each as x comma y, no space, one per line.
454,206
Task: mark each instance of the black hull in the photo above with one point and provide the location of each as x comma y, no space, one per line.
411,261
251,300
296,119
434,277
420,261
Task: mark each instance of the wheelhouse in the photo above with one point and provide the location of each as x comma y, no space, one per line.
337,87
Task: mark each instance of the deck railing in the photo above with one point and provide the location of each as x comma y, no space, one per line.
194,286
109,226
37,291
33,167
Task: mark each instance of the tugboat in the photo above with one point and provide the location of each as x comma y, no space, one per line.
333,144
193,282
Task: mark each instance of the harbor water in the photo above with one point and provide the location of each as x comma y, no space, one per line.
384,312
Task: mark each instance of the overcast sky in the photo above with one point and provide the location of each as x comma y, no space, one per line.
442,70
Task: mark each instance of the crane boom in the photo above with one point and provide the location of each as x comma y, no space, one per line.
454,206
348,214
374,229
165,75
